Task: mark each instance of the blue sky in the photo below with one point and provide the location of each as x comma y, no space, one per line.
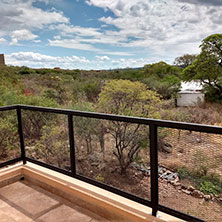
104,34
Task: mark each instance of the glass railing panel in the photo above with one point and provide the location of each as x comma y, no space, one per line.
190,172
47,138
114,153
9,137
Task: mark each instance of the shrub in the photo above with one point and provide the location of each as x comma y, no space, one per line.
53,145
208,188
92,90
34,121
201,163
25,71
183,173
125,97
100,178
8,133
208,184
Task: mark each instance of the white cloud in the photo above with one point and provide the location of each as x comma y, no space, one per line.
157,27
80,45
103,58
37,41
22,15
3,41
22,34
154,29
88,35
162,27
71,44
67,29
204,2
130,63
38,60
116,53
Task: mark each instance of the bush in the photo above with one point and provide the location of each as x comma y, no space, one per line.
125,97
8,133
25,71
200,163
208,188
208,184
34,121
212,94
92,90
53,145
100,178
86,128
183,173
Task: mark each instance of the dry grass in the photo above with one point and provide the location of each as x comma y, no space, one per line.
194,150
207,113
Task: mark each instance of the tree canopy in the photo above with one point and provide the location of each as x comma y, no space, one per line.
185,60
207,68
162,78
125,97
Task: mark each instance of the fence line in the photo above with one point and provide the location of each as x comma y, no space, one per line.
153,126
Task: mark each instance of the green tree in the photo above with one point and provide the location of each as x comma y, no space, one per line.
162,78
53,145
129,98
207,68
85,128
185,60
88,130
8,135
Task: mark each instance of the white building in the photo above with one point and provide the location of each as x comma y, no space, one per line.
190,94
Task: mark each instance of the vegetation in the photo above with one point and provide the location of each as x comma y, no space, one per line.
145,92
52,147
129,98
207,68
185,60
211,184
163,78
8,133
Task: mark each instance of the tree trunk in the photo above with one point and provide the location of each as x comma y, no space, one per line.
101,136
123,170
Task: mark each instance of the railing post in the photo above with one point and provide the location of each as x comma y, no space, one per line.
21,137
72,145
154,169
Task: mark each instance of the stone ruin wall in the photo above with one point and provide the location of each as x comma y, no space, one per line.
2,60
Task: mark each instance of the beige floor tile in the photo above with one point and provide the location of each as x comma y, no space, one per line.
10,214
93,220
99,219
24,202
27,199
64,214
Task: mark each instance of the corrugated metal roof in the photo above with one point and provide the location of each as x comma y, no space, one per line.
190,92
191,87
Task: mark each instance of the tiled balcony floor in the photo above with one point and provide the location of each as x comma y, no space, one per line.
25,202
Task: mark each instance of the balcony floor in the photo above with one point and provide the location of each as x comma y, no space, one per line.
24,202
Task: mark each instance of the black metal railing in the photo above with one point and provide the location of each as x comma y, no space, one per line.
153,134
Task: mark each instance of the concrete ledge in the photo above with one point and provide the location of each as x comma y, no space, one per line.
104,203
10,174
111,206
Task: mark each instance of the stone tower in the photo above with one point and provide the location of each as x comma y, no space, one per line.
2,60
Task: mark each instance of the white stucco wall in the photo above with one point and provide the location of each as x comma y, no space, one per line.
189,99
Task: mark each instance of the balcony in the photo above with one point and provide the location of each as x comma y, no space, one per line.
43,187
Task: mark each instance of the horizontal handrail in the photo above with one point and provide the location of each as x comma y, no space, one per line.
6,108
153,127
129,119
